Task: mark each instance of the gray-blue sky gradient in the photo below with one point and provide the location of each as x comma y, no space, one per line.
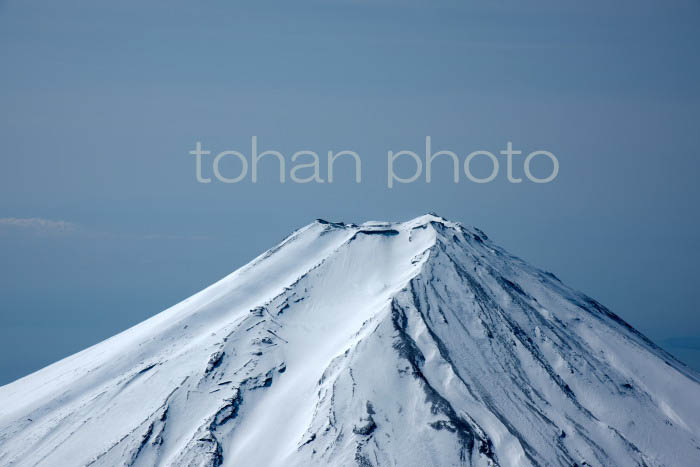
100,103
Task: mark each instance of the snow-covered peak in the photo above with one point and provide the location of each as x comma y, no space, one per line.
420,221
412,343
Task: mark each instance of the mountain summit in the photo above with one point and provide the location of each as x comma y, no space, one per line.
383,344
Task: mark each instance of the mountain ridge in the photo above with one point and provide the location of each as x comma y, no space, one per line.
415,343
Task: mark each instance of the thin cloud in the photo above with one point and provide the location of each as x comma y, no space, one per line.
38,224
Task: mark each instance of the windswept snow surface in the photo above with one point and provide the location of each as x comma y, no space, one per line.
383,344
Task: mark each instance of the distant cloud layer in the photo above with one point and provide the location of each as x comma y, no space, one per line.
38,224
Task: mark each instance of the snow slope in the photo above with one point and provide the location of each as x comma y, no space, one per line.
382,344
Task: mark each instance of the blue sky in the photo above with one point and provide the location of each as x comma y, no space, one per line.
102,223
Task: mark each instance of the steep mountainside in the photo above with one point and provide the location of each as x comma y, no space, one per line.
382,344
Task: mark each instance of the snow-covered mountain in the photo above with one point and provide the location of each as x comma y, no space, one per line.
382,344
